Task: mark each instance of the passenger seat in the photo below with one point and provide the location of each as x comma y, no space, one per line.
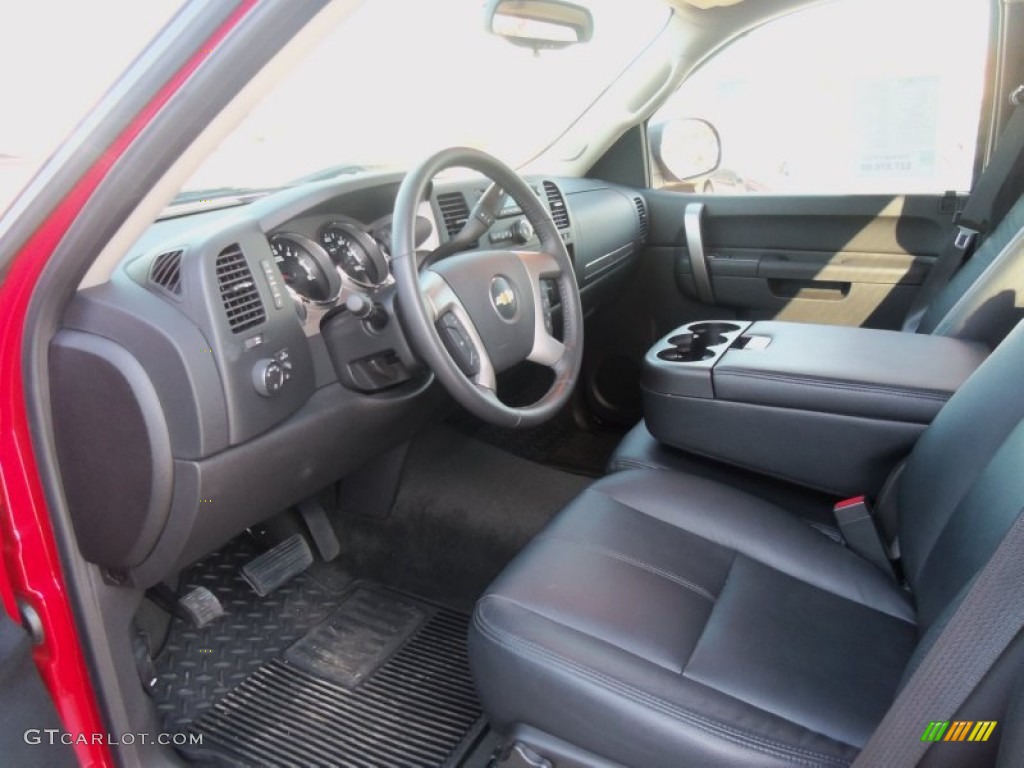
665,620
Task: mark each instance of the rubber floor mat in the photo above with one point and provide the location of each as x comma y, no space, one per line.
198,666
383,681
350,645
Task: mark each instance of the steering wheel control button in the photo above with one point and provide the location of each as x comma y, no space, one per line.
503,299
546,288
269,377
456,340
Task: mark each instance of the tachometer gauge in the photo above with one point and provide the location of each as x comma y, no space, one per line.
305,267
357,254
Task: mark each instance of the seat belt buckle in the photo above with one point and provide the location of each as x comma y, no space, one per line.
854,503
964,237
857,525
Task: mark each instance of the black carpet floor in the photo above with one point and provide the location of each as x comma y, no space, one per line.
562,443
465,508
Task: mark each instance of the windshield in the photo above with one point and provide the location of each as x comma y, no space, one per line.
399,79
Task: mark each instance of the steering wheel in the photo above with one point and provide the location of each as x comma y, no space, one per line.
475,314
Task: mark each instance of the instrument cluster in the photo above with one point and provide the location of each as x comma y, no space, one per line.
315,270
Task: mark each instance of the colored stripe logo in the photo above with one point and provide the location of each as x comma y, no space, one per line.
959,730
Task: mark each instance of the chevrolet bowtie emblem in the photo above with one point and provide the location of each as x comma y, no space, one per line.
505,299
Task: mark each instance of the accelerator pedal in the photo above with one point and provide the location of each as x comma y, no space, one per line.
278,565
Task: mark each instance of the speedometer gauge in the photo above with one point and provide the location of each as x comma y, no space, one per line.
307,275
356,253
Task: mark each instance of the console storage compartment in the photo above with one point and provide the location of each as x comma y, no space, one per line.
824,406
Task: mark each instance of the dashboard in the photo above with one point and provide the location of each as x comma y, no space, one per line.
241,360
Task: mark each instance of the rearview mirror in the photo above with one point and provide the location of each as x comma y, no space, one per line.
686,147
539,23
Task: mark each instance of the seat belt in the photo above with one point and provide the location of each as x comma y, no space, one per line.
982,627
974,219
861,533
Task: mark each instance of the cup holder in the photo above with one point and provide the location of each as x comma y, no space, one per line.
713,334
693,355
687,348
697,342
714,328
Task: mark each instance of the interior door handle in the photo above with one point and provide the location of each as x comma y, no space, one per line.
693,216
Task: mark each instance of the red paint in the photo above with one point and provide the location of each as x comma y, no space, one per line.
6,590
30,563
850,502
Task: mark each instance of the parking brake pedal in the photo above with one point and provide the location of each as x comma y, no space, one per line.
200,606
276,566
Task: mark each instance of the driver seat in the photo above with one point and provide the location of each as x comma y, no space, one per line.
666,620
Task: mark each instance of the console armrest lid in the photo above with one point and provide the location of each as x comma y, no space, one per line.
855,371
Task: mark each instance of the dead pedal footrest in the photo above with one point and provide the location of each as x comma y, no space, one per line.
278,565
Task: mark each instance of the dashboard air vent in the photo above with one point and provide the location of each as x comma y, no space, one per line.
557,204
238,290
454,211
165,272
641,212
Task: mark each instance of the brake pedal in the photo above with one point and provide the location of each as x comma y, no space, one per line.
200,606
278,565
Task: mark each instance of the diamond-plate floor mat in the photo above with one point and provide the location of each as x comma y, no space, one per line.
312,675
196,666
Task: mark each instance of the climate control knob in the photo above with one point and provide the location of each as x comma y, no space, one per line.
268,376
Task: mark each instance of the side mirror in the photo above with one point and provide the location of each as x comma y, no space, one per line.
686,148
539,24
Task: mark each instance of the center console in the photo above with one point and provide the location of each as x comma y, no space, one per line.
828,407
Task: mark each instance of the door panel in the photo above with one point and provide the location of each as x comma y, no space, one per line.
850,260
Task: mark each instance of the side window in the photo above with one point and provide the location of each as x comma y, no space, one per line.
44,94
850,97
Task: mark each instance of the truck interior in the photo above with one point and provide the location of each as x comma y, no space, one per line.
595,440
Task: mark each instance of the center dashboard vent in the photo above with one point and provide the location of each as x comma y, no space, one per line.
238,291
165,272
454,211
641,212
556,203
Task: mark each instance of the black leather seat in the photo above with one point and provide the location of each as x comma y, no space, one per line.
667,620
639,449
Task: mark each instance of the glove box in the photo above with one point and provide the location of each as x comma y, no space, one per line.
829,407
